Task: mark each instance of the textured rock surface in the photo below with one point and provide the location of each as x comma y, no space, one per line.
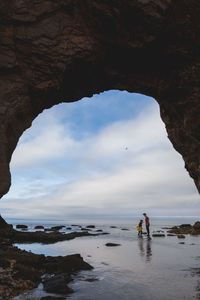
53,51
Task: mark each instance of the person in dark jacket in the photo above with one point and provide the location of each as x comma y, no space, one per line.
147,224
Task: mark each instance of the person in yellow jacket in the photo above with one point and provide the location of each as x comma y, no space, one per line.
139,228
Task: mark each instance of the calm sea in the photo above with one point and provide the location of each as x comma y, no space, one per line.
139,269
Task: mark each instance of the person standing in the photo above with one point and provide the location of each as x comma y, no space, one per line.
147,224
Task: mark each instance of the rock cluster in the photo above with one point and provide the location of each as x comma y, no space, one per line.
186,229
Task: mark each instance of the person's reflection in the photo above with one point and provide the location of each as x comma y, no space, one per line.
141,246
145,248
148,250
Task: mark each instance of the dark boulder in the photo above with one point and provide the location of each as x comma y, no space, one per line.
90,226
21,226
196,225
157,234
39,227
185,226
57,227
112,244
180,236
58,284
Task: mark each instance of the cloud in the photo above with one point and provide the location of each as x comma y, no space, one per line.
127,165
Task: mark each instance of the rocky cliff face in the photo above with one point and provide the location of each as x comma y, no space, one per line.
55,51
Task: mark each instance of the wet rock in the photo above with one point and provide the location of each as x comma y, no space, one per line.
99,230
104,263
125,229
158,234
185,226
181,243
70,263
52,298
112,244
171,234
39,227
21,226
90,226
57,227
113,226
181,236
166,228
90,279
46,237
58,284
196,225
68,228
186,229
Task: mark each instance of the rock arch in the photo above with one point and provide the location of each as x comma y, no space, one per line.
60,51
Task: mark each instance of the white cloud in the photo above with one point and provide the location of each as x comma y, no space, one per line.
128,165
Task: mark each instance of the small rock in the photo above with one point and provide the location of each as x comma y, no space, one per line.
166,228
181,243
90,226
57,227
125,229
171,234
104,263
39,227
158,235
91,279
112,244
180,236
113,226
21,226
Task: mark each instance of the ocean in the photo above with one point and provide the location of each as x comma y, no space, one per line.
138,269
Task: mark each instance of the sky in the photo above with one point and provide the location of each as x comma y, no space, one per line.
108,155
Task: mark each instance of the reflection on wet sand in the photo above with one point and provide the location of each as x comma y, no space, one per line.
145,248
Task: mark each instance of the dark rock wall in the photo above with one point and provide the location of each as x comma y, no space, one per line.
55,51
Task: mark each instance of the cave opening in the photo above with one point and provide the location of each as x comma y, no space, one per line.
108,156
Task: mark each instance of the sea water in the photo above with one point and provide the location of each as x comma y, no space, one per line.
138,269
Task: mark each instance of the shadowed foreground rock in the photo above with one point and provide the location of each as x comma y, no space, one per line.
21,271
